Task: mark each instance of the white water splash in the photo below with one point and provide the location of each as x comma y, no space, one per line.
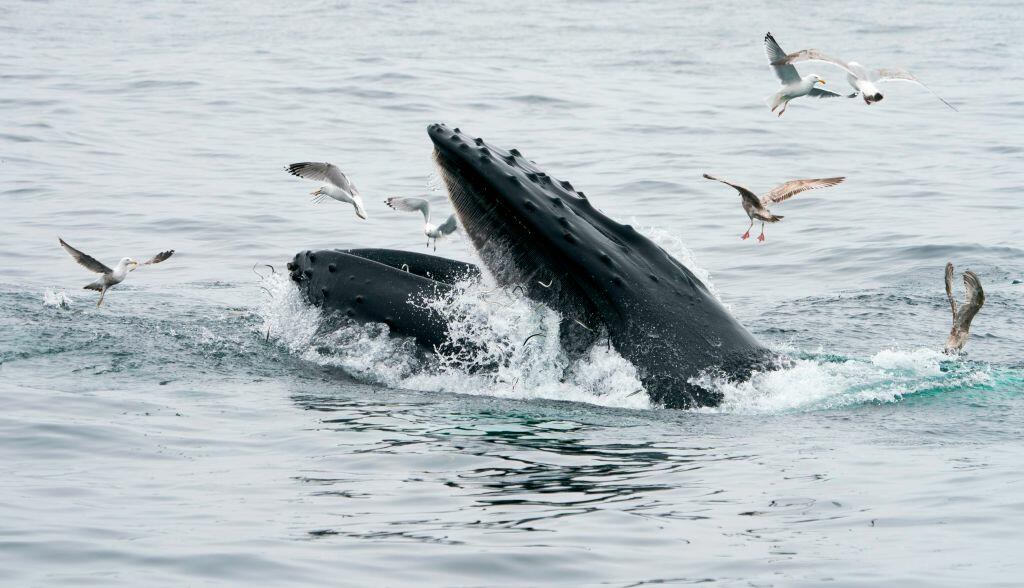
518,342
824,383
923,361
57,299
515,340
286,316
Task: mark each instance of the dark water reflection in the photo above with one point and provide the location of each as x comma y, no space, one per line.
501,478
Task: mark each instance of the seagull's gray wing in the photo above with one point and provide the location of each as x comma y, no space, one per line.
786,73
949,288
87,261
794,187
322,172
819,93
410,205
747,195
895,74
815,55
448,226
162,256
973,301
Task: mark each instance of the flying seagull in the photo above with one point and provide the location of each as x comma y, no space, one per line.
757,208
793,86
963,315
338,185
419,204
109,277
862,80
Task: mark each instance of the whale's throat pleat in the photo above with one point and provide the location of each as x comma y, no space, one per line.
500,238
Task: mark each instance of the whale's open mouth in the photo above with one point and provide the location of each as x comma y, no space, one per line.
541,235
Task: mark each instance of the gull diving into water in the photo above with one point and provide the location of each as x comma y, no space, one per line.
422,205
862,80
338,185
793,86
757,208
962,316
109,277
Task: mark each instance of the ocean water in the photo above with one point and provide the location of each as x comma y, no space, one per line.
203,428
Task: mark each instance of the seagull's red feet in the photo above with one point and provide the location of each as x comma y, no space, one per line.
745,236
761,238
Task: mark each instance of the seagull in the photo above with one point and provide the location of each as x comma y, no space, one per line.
338,185
793,86
862,80
963,316
109,277
419,204
756,208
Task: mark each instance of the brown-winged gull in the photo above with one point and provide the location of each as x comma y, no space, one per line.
422,205
757,208
109,277
962,316
793,86
338,185
862,80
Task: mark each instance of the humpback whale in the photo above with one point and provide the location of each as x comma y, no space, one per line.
540,234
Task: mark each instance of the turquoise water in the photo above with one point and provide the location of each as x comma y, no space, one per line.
203,427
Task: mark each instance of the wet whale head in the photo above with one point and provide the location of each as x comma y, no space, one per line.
534,231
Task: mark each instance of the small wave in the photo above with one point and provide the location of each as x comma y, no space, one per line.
542,100
161,84
16,138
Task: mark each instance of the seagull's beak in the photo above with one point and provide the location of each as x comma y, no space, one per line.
133,263
822,81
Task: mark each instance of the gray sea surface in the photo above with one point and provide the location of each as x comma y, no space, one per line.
202,427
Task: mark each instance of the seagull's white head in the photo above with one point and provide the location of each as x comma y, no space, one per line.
128,262
817,80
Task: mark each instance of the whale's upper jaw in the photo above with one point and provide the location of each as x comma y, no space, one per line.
530,227
533,230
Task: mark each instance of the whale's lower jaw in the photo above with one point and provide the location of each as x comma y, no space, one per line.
541,235
377,286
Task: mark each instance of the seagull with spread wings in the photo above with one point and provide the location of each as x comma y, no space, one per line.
963,315
862,80
422,205
338,185
757,208
109,277
793,86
